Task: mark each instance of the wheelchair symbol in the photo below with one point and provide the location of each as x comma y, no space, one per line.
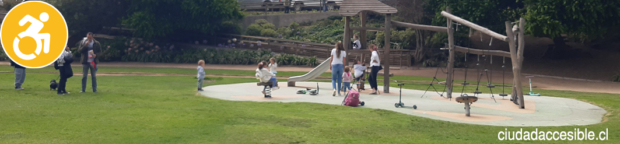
42,39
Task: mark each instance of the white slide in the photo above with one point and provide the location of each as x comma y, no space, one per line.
316,72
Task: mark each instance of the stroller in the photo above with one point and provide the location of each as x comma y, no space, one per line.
359,81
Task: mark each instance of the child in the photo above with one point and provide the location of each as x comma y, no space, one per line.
201,73
359,72
273,66
346,78
265,76
91,58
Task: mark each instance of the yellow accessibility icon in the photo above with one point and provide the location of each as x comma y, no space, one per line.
34,34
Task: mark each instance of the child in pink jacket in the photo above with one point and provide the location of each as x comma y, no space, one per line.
347,78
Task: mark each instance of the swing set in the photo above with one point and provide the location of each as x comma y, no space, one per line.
514,32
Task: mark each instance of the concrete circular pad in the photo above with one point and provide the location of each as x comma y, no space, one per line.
539,111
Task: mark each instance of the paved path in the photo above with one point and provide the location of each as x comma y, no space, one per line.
540,111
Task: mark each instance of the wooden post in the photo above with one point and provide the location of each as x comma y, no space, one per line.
347,37
386,58
520,55
347,31
450,67
467,108
362,36
517,89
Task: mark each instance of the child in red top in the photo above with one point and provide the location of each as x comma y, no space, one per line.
91,58
347,78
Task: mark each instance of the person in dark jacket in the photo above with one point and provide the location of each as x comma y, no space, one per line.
63,65
20,75
87,44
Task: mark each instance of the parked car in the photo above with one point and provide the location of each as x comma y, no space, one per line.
299,4
252,4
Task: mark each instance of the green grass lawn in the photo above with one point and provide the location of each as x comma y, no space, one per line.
166,109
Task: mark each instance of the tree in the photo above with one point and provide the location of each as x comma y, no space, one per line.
9,4
487,13
413,11
154,19
583,20
84,16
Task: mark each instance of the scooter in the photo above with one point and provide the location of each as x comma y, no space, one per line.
400,95
531,92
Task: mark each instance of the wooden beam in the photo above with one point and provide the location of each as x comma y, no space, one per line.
386,58
367,29
517,88
347,33
420,27
450,65
474,26
481,52
521,39
362,36
520,59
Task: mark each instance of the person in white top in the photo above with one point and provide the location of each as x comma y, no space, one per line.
201,73
273,66
63,65
359,69
338,59
356,44
375,65
264,75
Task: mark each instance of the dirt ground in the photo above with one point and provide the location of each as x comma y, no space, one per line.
541,81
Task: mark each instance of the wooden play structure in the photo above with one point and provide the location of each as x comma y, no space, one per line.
514,38
349,8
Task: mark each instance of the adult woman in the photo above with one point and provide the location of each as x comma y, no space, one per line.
375,67
338,59
63,65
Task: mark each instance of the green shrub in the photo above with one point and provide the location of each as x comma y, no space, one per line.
268,26
3,56
261,21
293,25
254,30
113,49
215,56
268,33
229,27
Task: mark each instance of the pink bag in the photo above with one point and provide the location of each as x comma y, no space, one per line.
353,99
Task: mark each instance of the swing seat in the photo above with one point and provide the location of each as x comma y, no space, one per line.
465,83
491,86
503,95
466,99
477,92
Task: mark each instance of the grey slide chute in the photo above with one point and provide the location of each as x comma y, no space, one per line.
316,72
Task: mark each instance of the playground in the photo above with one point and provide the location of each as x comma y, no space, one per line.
145,108
544,110
157,102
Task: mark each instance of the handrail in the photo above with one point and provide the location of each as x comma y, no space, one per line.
282,40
